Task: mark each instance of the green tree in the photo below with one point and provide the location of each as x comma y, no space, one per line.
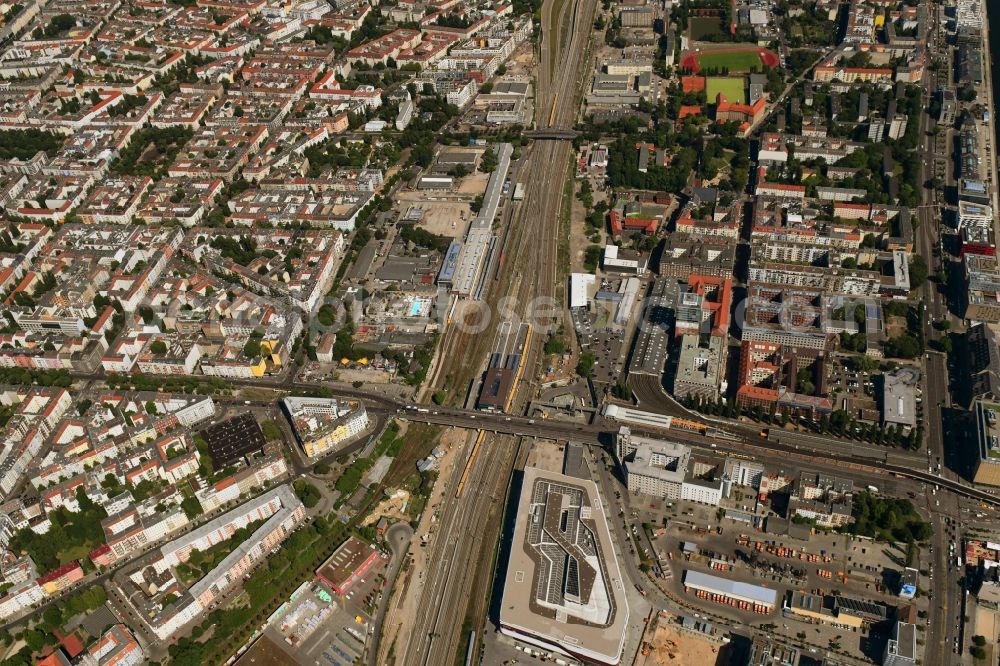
904,345
585,366
25,144
422,155
252,348
58,24
918,271
192,507
554,345
488,162
621,391
35,639
307,493
52,616
271,431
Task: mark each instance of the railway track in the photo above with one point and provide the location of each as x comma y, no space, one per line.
462,541
469,528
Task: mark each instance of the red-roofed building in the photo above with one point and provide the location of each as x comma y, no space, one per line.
116,647
726,111
714,296
769,378
71,643
104,321
329,88
852,74
348,564
102,556
432,48
852,211
61,578
780,190
381,49
619,223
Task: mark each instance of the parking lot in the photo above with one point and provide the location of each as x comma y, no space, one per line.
675,537
607,349
316,626
858,387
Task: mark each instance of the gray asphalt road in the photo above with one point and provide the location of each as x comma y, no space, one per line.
398,538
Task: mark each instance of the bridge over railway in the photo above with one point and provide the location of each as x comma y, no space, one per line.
710,437
552,134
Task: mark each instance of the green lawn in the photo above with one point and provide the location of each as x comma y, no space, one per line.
741,61
730,86
74,553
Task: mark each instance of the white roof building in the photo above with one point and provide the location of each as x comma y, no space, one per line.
580,285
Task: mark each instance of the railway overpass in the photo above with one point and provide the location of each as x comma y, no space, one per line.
552,133
712,439
715,437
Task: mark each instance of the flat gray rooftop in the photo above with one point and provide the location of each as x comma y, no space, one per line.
730,588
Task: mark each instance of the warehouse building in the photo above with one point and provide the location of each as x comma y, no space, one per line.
730,592
639,16
838,611
348,564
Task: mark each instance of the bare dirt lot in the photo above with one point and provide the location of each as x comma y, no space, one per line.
367,376
987,625
522,62
473,183
444,218
894,326
670,646
391,508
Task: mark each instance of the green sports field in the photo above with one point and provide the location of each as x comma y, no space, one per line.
741,61
730,86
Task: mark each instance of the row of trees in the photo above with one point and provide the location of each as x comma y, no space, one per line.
838,422
910,343
267,587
